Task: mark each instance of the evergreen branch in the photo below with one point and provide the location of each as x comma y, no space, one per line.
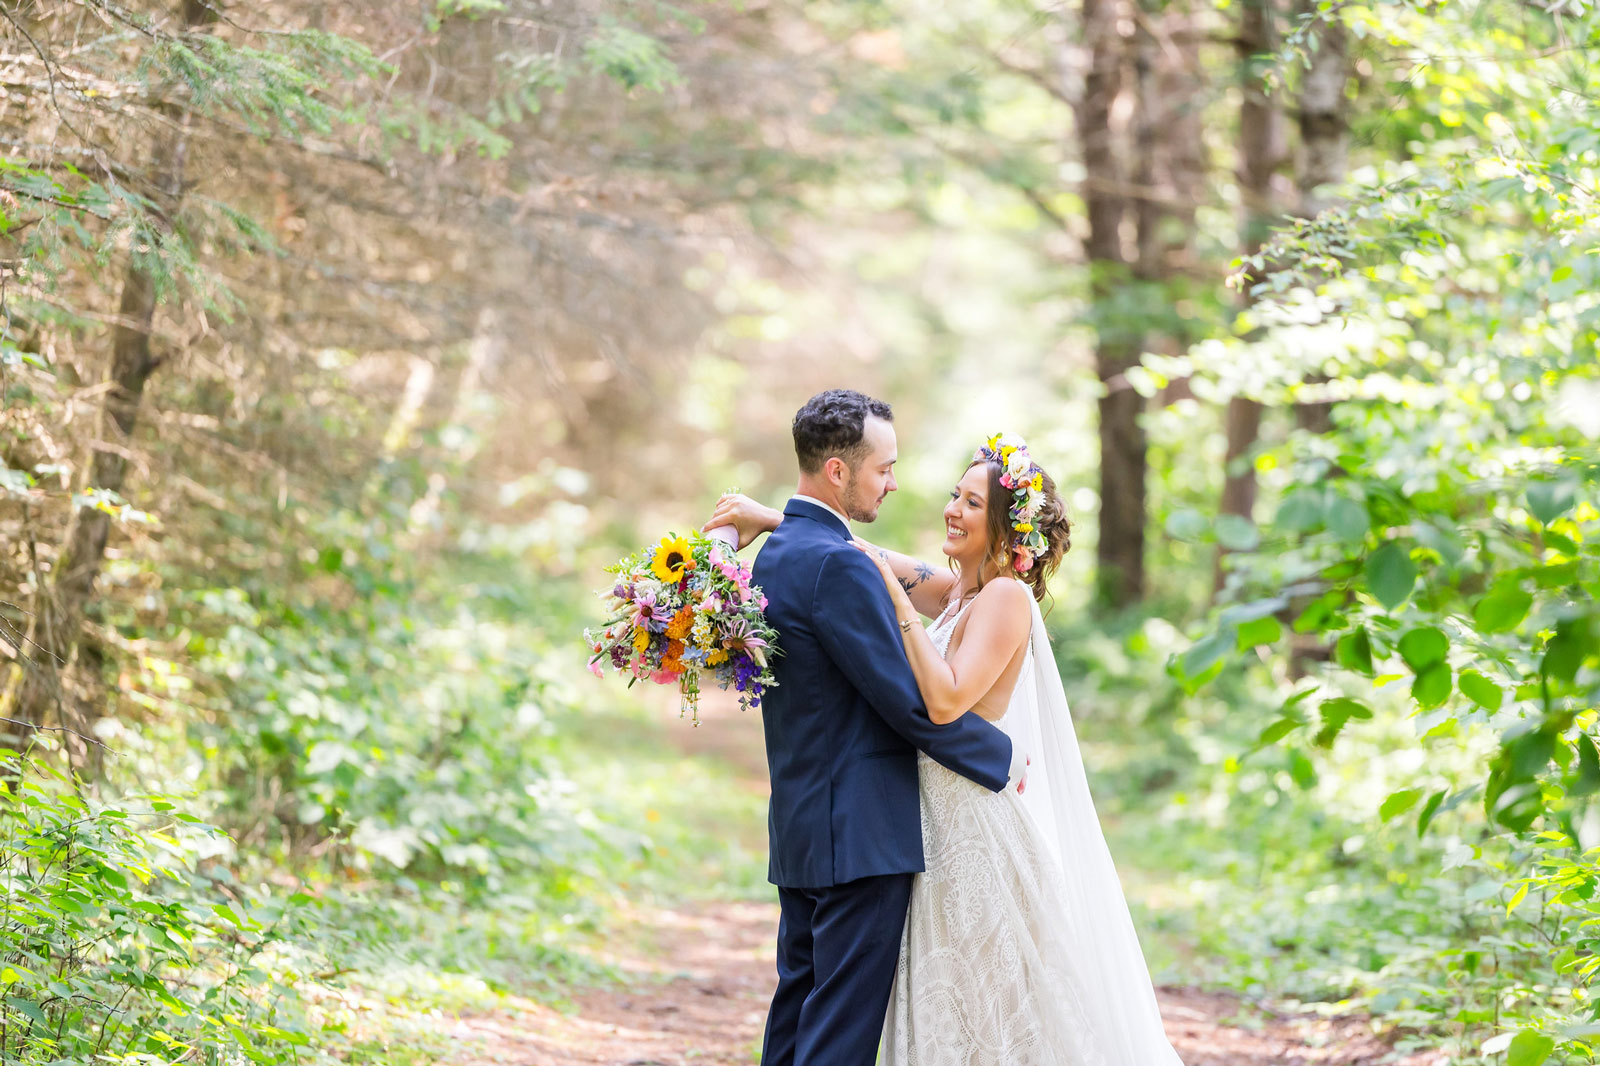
1033,75
35,727
56,201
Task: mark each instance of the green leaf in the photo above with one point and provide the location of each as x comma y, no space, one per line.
1301,770
1572,644
1549,500
1399,803
1429,809
1277,731
1301,510
1587,782
1186,524
1237,533
1321,613
27,1007
1432,686
1481,690
1348,519
1529,1048
1424,647
1238,613
1391,574
1335,714
1205,653
1502,610
1512,795
1354,651
1556,575
1517,898
1266,630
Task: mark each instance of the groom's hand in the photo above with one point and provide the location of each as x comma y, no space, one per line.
1020,761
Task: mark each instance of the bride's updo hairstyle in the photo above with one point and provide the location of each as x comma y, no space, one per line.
1051,521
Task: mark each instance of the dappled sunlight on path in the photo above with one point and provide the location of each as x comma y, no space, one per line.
696,991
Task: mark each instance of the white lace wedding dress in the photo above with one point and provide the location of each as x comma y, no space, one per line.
1011,957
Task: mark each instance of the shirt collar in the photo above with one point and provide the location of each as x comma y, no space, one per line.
825,507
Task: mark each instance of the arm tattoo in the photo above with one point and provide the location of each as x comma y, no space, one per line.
923,573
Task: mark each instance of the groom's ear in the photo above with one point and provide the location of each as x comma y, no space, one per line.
836,470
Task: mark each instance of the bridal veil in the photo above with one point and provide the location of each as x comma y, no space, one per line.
1117,992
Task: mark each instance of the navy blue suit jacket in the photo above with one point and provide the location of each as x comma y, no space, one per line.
845,721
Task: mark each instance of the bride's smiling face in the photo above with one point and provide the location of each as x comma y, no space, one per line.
966,528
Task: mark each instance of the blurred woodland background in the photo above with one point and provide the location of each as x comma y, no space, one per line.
344,343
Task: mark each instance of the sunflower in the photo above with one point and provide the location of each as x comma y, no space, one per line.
672,559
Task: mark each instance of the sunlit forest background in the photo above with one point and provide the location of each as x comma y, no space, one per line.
344,344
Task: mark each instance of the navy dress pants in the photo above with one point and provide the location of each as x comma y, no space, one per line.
837,949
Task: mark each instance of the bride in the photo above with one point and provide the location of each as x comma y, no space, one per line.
1018,948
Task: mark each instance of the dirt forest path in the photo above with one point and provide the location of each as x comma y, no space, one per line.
697,979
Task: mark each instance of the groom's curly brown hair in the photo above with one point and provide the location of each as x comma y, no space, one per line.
832,424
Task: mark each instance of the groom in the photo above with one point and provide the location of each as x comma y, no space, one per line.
843,727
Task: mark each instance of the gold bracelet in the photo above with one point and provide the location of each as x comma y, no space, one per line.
905,624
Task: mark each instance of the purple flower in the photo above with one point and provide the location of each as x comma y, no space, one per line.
737,637
745,672
647,613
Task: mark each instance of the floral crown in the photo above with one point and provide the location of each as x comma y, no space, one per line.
1025,479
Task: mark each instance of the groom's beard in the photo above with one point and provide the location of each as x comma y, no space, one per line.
856,508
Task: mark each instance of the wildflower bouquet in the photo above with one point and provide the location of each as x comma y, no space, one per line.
683,609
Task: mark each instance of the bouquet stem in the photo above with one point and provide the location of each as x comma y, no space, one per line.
689,688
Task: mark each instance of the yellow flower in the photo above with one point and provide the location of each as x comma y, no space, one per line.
717,657
641,639
1037,482
1024,527
672,559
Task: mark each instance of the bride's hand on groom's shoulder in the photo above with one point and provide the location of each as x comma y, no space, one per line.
880,559
749,518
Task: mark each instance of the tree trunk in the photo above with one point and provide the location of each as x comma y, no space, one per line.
1261,150
1119,578
1324,150
58,618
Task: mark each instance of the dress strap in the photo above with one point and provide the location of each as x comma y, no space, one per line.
945,615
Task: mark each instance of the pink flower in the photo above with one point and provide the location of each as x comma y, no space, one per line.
594,668
663,677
